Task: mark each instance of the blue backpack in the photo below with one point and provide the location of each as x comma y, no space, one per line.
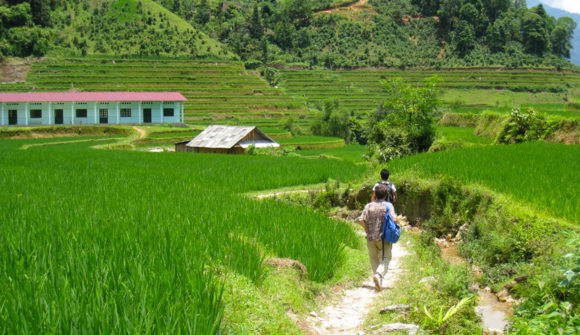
391,230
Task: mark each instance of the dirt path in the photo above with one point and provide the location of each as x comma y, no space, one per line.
142,132
348,315
269,195
356,6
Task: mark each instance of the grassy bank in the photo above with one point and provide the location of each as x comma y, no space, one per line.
505,239
489,124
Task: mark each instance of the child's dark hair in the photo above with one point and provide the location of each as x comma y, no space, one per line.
385,174
381,192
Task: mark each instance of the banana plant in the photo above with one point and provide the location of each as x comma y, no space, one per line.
441,318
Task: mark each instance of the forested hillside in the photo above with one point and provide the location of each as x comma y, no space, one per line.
575,52
365,33
117,27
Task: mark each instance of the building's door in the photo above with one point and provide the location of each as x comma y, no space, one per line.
147,115
58,116
104,116
12,117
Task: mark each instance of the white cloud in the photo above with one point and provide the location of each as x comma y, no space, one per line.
572,6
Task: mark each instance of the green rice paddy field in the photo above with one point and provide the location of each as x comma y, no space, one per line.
98,241
477,89
541,175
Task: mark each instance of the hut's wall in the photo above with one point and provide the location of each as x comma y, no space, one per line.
180,147
235,150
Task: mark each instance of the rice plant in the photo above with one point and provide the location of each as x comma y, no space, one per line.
542,175
126,242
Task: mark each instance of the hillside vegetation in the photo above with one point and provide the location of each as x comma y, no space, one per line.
380,33
110,27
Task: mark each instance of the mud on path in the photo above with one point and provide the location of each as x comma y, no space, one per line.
349,313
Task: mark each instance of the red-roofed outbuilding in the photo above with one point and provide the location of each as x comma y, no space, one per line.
50,108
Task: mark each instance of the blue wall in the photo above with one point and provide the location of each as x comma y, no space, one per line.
93,112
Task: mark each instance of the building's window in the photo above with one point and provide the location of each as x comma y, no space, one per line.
125,112
81,103
167,111
59,103
35,104
12,104
126,103
104,113
168,103
147,103
36,113
80,113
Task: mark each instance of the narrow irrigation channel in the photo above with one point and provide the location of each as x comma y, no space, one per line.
494,313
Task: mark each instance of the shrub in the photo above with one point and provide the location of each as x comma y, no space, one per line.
524,126
271,75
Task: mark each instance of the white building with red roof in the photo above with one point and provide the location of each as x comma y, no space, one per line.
54,108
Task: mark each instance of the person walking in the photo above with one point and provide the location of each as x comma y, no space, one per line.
391,189
372,219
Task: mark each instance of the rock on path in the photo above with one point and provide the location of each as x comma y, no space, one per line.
348,315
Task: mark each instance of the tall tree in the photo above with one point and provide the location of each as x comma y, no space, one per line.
463,38
562,35
535,35
203,13
255,24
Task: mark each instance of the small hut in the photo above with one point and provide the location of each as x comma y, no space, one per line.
226,140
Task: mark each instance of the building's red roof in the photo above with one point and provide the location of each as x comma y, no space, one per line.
90,96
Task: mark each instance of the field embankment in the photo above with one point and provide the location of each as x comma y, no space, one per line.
558,129
514,211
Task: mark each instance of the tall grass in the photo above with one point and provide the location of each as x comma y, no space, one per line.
545,175
127,242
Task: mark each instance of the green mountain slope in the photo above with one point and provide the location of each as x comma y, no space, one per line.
332,34
107,27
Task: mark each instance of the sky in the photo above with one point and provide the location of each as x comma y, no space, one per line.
572,6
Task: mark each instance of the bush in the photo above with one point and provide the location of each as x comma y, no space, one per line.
271,75
524,126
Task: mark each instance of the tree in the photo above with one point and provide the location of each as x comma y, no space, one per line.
469,13
203,13
448,13
299,12
333,122
535,35
255,24
404,121
562,35
41,12
463,39
427,7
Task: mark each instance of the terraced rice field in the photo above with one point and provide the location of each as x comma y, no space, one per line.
362,90
215,90
226,93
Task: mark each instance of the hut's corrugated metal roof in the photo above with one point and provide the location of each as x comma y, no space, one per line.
223,137
90,96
